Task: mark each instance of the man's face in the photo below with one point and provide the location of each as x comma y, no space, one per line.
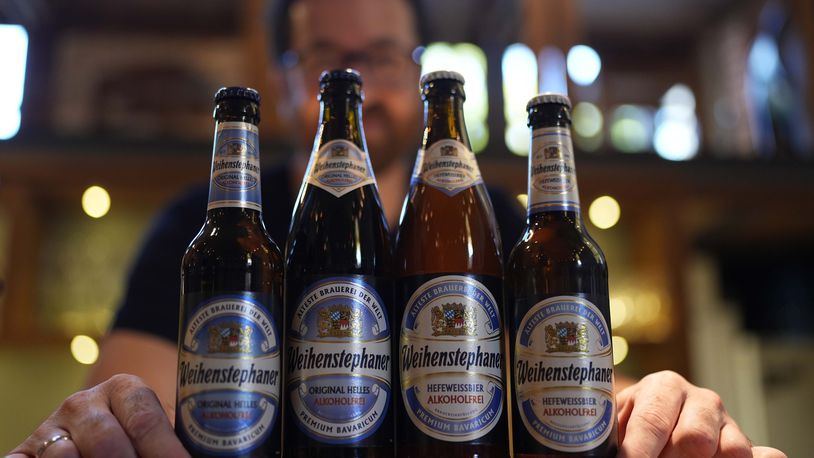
375,37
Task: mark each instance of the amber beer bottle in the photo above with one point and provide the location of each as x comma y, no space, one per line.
338,292
557,301
449,286
229,357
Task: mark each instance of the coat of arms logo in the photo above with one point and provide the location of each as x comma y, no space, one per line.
340,321
453,319
235,149
449,150
552,152
339,151
567,337
230,338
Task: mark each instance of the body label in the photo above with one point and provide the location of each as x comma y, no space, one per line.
451,359
563,374
229,375
235,167
339,167
447,165
552,175
339,361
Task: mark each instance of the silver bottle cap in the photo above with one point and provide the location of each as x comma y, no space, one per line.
440,75
548,97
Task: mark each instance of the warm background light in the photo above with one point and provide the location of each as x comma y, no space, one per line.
84,349
96,201
618,311
620,349
604,212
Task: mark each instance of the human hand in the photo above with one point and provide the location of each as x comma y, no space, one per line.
120,417
665,415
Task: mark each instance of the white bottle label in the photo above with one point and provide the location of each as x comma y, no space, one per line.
563,374
451,359
339,361
229,376
340,167
235,178
552,175
447,165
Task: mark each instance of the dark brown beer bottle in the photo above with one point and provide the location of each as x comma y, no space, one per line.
338,293
229,365
449,287
557,301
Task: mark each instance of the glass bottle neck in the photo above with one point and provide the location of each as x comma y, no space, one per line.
559,218
340,118
444,118
233,215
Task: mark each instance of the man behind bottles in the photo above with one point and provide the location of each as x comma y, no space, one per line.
122,415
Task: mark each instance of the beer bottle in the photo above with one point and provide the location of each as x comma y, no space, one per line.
229,357
338,292
557,301
449,286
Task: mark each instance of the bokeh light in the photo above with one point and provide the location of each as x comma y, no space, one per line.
84,349
584,65
96,201
553,74
619,311
604,212
764,57
13,55
587,119
676,136
470,61
631,128
519,71
676,140
620,349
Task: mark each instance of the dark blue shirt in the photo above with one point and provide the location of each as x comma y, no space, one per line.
153,292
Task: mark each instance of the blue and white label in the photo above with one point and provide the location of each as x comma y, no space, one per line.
448,166
339,167
229,376
552,175
451,359
235,167
564,374
339,361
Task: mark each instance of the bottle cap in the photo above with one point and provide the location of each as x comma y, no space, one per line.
236,92
548,97
440,75
345,74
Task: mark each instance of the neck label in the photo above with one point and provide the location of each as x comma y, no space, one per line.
340,167
235,175
552,175
448,166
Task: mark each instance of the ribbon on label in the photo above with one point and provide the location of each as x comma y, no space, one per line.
236,442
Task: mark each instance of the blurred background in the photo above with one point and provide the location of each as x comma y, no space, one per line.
692,121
